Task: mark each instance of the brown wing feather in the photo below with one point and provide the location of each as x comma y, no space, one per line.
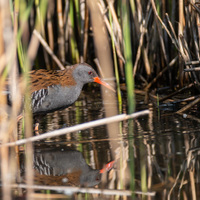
42,79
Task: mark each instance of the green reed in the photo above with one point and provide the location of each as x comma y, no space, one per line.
116,68
73,42
129,85
128,56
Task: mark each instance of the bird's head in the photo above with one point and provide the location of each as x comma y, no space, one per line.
86,74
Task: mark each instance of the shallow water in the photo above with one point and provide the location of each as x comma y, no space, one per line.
162,152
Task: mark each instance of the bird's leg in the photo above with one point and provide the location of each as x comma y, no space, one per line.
19,117
36,129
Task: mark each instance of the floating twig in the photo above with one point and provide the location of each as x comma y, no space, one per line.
196,62
192,69
176,92
185,100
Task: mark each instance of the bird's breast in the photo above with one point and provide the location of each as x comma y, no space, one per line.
54,98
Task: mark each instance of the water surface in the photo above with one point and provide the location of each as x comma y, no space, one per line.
161,151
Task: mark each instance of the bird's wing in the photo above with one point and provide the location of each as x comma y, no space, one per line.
42,79
38,97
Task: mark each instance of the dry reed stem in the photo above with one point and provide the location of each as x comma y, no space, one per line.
141,25
71,190
99,67
196,69
83,16
48,49
30,56
115,20
104,56
8,134
180,33
60,31
181,17
160,31
79,127
31,53
195,37
188,106
117,45
41,27
176,92
145,50
164,26
85,39
186,99
143,30
139,12
3,61
65,21
161,73
50,30
1,36
174,39
187,57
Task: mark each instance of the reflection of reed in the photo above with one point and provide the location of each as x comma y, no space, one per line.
167,169
189,167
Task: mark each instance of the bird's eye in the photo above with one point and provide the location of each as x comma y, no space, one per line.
89,72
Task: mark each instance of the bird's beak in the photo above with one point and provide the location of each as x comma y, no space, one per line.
107,167
98,80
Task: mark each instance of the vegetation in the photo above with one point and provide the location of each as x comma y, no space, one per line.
144,44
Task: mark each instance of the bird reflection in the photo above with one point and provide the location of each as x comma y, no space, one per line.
64,167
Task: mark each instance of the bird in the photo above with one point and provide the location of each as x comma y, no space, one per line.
58,89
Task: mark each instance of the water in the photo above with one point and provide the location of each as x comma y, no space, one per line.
165,149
